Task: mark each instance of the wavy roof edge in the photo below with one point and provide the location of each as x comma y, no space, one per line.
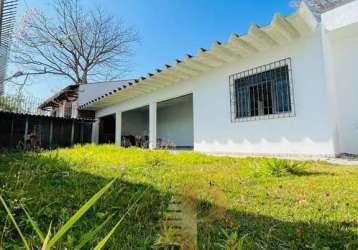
281,29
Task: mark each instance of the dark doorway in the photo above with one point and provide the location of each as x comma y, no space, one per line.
107,130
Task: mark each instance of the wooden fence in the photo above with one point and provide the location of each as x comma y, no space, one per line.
17,128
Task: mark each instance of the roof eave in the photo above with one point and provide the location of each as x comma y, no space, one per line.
281,30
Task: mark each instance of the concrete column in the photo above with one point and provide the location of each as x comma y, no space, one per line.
95,131
119,129
153,125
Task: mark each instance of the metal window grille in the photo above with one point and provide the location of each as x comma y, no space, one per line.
264,92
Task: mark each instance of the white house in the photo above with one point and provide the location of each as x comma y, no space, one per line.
290,88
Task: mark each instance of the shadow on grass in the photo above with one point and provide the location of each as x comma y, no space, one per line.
303,173
53,192
266,232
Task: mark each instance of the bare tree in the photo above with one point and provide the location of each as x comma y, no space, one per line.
77,43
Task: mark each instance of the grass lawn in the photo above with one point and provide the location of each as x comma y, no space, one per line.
267,204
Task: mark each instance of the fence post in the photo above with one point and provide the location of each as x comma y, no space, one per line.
11,130
82,132
26,129
51,132
72,133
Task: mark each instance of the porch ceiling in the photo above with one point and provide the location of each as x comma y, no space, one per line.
281,30
175,101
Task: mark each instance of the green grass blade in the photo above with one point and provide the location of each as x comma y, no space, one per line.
105,239
79,213
103,242
14,222
91,234
34,225
47,239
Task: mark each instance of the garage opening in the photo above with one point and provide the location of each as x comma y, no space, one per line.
175,129
135,128
107,130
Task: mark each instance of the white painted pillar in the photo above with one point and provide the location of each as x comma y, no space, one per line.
153,125
95,131
119,129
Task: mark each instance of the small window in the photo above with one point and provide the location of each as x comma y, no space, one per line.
263,92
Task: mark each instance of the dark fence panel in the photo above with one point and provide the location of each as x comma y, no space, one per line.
18,130
83,133
41,128
5,130
62,133
50,132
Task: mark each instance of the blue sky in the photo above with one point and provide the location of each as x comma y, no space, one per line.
168,29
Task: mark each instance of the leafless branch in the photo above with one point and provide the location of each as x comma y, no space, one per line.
77,43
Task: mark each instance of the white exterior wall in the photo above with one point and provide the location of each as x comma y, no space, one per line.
341,29
346,65
310,132
135,123
175,124
341,17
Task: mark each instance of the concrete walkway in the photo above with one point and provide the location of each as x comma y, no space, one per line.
345,160
349,160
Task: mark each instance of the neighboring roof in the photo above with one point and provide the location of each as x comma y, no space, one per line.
90,91
69,91
321,6
281,30
44,116
7,20
95,89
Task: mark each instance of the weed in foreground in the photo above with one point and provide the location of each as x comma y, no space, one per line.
48,242
233,241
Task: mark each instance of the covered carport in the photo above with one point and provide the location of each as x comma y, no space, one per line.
166,124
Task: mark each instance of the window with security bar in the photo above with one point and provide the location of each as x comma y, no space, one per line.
262,93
